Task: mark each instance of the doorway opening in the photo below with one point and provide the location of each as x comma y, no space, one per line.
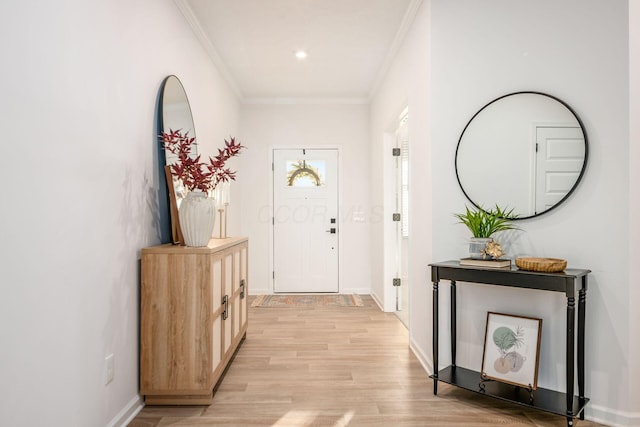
305,221
401,218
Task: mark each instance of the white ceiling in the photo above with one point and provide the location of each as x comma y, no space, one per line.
350,44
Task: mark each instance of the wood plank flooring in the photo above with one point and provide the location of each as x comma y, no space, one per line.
337,367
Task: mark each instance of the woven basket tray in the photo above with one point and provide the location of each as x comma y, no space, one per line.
546,265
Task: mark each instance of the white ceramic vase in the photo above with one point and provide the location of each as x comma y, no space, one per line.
197,215
477,245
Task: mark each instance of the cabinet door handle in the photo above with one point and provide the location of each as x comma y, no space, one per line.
242,288
225,302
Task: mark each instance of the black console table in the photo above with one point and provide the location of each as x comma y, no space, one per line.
567,282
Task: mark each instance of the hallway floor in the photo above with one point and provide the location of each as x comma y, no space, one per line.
338,367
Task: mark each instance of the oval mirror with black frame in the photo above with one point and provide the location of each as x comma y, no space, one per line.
525,151
175,114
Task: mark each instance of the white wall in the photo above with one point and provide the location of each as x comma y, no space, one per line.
265,127
406,85
506,52
577,51
634,205
79,90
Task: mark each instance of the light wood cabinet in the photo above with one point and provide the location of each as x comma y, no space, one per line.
193,318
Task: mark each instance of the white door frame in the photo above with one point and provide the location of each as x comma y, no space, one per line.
271,212
389,234
388,304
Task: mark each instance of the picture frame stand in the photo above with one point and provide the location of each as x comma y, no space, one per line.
222,213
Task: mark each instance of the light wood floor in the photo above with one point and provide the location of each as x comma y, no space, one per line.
328,366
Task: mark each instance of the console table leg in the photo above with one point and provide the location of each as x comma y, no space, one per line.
582,305
453,323
571,320
435,337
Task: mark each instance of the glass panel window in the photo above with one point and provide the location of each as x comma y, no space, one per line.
403,142
306,173
405,189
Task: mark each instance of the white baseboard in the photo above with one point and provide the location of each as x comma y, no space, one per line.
128,413
611,417
422,358
377,300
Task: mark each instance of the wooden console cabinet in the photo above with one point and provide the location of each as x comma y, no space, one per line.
193,318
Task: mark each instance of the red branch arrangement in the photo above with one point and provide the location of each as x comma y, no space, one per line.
194,174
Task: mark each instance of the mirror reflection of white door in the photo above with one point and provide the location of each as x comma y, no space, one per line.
305,220
559,161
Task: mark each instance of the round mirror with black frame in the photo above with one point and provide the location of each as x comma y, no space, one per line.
174,113
525,151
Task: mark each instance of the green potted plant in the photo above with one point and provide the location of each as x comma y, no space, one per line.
483,224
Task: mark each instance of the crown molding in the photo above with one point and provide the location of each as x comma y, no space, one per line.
405,25
208,46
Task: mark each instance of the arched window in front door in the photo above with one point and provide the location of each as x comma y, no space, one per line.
305,173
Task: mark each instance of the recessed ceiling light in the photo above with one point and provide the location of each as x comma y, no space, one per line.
301,54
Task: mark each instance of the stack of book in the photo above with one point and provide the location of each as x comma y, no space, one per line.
491,263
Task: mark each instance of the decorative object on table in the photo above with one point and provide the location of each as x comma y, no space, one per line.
477,246
493,250
221,197
197,216
512,349
490,263
176,232
197,211
483,224
544,265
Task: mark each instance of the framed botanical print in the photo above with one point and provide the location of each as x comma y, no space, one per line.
512,349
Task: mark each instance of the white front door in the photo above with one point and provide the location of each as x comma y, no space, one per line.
559,160
305,220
